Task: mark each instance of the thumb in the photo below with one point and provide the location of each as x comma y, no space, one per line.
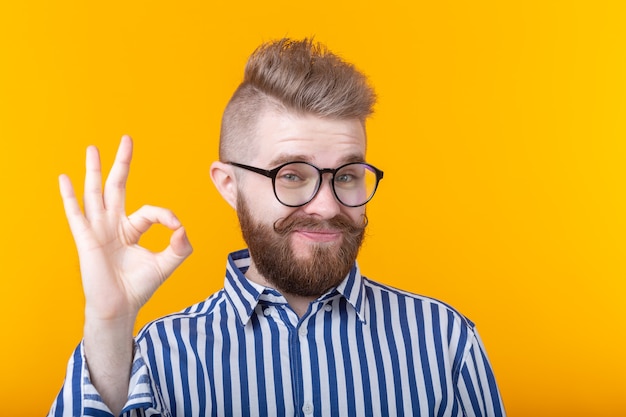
177,251
179,242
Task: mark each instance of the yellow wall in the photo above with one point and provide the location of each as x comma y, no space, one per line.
501,129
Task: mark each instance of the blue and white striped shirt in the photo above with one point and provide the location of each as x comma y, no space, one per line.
362,349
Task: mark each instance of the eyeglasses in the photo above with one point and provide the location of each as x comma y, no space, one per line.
297,183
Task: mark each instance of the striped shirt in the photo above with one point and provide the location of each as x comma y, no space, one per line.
361,349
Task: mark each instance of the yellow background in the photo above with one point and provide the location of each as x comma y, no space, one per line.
500,126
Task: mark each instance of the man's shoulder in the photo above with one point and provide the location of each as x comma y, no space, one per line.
378,291
201,310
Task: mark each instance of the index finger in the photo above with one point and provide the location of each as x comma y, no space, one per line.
115,185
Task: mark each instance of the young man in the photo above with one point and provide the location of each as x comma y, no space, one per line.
296,330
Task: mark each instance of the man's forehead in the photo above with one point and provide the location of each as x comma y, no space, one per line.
285,136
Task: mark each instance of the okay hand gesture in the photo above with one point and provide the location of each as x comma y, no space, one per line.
118,275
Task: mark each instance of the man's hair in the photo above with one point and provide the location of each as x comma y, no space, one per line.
299,76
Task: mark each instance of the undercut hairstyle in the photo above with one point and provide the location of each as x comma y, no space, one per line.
298,76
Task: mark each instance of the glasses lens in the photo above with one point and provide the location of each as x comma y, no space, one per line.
296,183
355,184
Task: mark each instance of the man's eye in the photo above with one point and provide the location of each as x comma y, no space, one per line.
344,178
291,177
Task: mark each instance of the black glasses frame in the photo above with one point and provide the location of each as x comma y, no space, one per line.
272,173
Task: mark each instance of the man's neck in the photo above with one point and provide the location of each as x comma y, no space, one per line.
298,303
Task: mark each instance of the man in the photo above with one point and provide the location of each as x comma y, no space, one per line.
296,330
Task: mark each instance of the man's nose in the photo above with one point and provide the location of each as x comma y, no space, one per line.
324,204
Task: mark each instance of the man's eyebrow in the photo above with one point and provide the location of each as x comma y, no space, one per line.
284,158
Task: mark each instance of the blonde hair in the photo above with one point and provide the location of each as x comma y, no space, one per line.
300,76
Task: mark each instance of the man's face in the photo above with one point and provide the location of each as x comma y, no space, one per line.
309,249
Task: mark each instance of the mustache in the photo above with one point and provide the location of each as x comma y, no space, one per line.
294,222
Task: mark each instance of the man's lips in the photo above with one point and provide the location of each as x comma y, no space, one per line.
320,235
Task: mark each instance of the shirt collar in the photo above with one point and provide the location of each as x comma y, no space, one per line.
244,294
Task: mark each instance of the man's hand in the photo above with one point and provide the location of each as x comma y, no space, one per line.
118,275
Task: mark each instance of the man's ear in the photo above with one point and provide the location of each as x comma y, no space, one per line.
224,179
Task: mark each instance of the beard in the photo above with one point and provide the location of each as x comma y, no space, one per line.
272,253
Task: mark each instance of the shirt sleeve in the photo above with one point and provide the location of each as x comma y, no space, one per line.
79,397
476,386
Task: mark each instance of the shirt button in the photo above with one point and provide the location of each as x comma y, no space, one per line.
267,312
307,408
302,331
328,307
